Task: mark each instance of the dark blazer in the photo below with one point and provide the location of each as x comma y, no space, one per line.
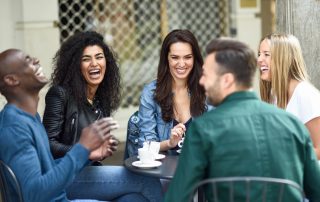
64,119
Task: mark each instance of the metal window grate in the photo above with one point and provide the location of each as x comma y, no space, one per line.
135,29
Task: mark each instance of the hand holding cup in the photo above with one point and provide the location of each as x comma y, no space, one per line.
105,150
94,135
180,143
176,134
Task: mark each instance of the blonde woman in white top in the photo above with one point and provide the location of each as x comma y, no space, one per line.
284,82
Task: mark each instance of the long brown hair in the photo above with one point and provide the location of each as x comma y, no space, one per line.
286,63
163,91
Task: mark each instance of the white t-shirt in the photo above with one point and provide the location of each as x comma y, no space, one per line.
305,102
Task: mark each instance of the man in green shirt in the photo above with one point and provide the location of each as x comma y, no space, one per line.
243,136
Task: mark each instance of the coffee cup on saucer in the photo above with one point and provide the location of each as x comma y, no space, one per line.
153,146
146,155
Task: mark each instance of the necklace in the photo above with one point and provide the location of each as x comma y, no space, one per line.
90,101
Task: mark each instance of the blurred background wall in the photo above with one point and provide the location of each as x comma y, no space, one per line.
25,26
301,18
134,28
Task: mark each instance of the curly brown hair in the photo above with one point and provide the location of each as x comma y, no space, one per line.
67,71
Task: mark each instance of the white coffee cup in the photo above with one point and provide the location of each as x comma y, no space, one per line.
180,143
153,146
146,156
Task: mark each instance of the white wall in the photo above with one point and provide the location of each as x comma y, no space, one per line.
9,14
248,25
25,26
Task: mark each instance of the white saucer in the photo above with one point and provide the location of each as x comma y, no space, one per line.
158,157
153,164
179,151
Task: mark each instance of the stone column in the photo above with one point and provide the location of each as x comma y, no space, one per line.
301,18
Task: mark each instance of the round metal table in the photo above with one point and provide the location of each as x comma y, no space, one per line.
165,171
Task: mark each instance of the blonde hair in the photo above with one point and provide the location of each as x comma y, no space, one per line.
286,63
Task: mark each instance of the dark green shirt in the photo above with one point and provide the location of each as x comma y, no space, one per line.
244,136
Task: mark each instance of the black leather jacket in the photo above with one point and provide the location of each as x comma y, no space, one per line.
64,119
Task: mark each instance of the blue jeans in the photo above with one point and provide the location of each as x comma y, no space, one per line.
114,183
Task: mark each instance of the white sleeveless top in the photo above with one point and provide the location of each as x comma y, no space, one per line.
305,102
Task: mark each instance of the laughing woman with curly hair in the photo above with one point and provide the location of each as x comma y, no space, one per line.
86,87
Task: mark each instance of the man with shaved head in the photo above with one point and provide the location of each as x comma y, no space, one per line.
25,148
15,66
23,141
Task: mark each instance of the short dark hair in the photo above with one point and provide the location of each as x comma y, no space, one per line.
234,57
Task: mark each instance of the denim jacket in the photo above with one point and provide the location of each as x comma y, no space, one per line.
149,124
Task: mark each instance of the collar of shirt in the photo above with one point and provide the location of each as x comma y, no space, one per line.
240,95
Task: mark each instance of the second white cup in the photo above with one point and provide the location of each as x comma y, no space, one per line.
146,156
153,146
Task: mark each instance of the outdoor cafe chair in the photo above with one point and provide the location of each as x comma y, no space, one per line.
248,189
9,186
133,131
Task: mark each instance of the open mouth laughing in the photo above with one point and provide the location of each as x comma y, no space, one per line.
264,69
181,70
94,73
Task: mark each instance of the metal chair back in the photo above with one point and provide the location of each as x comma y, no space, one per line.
248,189
133,131
9,185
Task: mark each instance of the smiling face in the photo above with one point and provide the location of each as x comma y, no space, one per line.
29,71
34,71
181,60
21,72
264,60
93,65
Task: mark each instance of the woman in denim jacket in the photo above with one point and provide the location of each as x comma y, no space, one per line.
168,104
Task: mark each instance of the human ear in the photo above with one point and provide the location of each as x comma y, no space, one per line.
227,80
11,80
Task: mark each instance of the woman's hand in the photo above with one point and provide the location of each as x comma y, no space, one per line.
176,135
105,150
96,134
